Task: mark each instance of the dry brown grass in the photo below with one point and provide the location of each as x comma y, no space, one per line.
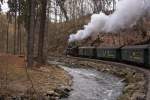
14,79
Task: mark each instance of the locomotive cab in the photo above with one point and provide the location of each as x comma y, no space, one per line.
72,49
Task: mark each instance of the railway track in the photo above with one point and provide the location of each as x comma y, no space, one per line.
117,64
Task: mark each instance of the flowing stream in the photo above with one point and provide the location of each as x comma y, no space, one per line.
89,84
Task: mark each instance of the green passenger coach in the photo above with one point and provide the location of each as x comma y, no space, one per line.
135,54
87,52
109,53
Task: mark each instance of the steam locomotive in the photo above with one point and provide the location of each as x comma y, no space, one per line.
137,54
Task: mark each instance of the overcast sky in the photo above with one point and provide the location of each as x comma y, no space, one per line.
5,6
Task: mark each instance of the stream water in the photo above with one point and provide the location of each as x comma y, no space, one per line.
89,84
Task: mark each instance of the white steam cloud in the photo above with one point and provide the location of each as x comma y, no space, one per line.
127,13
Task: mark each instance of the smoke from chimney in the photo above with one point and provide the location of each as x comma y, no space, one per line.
127,13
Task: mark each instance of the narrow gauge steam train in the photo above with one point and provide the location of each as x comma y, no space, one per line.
137,54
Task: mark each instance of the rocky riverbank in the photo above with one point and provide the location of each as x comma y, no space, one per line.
135,88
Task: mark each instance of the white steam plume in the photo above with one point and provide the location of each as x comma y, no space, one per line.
127,13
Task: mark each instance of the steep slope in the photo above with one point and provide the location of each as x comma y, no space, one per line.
59,34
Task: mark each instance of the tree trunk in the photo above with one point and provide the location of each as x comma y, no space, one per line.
7,38
15,31
41,58
19,31
30,50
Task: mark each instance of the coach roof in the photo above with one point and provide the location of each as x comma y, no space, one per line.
87,47
109,47
136,47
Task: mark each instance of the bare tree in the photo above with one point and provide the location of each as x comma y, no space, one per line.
41,58
30,50
62,7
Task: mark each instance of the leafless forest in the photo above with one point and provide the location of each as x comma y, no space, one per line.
33,30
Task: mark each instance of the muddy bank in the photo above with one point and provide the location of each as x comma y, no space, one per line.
135,88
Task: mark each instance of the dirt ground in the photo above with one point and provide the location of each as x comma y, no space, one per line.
17,80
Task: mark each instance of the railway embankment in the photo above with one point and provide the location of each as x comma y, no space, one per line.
136,79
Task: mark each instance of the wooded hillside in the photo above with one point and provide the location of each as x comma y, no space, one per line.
44,27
